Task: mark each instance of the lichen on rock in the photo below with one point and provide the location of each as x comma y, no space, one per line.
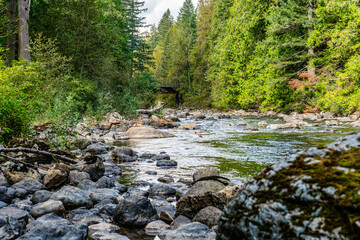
313,194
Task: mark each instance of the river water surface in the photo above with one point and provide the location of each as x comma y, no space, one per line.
239,154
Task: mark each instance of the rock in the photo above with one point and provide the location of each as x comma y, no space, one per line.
165,216
304,196
156,227
2,204
198,116
14,213
3,181
285,126
331,123
160,189
7,194
56,176
93,165
87,216
87,185
103,227
205,172
111,170
189,127
41,196
161,157
166,163
186,181
123,150
183,115
49,206
251,128
120,187
108,236
161,123
203,194
13,175
13,228
98,148
124,158
355,124
105,158
106,207
152,173
25,205
114,118
102,194
105,182
145,133
29,184
209,216
134,211
51,226
75,177
262,124
72,197
104,125
161,205
241,123
166,179
147,155
194,230
179,221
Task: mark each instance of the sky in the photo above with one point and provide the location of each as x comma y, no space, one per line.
156,8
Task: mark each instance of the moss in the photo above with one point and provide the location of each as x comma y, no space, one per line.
340,170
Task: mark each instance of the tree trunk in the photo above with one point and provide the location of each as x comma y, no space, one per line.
24,40
311,68
11,38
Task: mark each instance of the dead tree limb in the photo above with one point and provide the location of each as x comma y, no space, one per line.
19,161
29,150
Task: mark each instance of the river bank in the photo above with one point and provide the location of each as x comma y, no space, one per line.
100,195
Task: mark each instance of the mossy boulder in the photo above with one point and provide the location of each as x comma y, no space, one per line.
314,194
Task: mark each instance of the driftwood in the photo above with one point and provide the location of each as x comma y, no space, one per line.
19,161
29,150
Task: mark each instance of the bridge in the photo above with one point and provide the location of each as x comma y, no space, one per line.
168,88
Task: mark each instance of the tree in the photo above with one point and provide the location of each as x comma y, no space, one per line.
24,39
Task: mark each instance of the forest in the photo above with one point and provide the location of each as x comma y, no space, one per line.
64,59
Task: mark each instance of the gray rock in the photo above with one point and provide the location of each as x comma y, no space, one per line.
2,204
105,182
166,179
106,207
147,155
205,172
120,187
14,213
6,194
49,206
25,205
166,217
29,184
13,228
166,163
179,221
87,185
103,227
123,150
161,205
41,196
300,197
196,231
72,197
75,177
111,169
161,157
93,165
160,189
98,148
134,211
102,194
3,181
152,173
100,235
156,227
87,216
106,158
51,226
209,216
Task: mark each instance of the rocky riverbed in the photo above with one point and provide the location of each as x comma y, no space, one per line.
155,187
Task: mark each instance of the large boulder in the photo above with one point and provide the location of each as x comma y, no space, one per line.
56,176
311,195
51,226
205,172
145,133
72,197
134,210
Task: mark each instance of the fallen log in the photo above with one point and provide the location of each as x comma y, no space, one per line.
29,150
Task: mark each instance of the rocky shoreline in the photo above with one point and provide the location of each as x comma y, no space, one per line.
57,200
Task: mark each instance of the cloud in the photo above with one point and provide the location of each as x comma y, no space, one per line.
156,8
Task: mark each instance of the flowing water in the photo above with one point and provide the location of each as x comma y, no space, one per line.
239,154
